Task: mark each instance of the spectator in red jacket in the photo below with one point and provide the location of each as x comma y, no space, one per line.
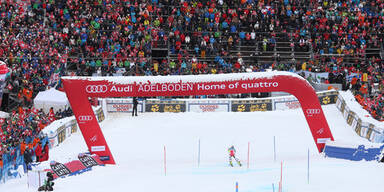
45,153
38,152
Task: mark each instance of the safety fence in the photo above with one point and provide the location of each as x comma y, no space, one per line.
11,163
364,129
58,131
111,105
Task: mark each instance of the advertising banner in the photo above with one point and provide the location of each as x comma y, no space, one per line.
339,102
124,107
251,105
87,160
209,106
350,117
346,112
326,98
165,106
59,169
61,134
286,103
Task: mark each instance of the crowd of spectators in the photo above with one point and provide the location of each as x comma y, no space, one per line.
21,132
43,39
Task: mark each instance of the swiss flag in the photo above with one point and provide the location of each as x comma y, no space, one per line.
35,111
9,87
23,45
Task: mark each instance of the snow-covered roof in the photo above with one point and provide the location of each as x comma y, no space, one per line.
187,78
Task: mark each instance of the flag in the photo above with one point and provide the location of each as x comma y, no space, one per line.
35,111
23,45
9,87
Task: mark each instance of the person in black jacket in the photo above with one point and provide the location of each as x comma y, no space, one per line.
28,157
134,109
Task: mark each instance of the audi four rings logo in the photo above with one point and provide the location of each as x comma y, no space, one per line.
96,88
85,118
311,112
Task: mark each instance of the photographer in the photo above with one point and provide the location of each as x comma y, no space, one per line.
48,184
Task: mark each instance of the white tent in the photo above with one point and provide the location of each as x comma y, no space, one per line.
51,98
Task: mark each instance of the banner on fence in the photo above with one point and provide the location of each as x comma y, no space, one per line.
286,103
329,97
123,107
325,98
59,169
165,106
251,105
209,106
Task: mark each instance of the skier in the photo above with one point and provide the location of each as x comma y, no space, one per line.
134,109
232,152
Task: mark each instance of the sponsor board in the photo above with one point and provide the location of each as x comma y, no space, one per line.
105,158
286,103
323,140
251,105
60,169
327,98
350,117
208,107
97,148
123,107
87,160
165,106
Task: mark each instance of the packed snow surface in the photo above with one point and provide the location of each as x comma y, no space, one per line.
138,144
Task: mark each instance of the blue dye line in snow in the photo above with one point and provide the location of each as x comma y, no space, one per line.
224,169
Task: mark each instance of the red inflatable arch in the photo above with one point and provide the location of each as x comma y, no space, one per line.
79,89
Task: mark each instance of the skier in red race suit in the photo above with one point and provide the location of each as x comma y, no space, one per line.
232,152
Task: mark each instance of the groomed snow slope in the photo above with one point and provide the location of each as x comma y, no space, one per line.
138,148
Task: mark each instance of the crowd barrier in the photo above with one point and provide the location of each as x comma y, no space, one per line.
11,163
353,153
364,129
61,129
125,105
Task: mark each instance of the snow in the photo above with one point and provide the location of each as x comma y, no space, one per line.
187,78
137,144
